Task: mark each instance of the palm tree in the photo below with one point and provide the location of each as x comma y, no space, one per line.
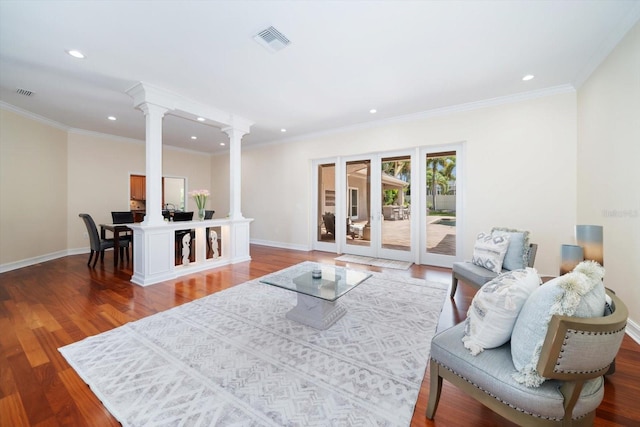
440,171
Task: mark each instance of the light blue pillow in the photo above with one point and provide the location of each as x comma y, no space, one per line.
579,293
517,255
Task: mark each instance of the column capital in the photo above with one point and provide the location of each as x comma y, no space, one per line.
150,109
234,132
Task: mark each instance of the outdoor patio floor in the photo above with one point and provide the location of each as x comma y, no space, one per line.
441,239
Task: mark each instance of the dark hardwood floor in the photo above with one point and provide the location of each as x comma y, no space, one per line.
49,305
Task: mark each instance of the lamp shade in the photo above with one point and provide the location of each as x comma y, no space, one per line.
590,238
571,255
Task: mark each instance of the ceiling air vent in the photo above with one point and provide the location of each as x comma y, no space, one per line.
272,39
24,92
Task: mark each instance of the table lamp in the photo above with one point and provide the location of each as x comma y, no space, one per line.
590,238
571,255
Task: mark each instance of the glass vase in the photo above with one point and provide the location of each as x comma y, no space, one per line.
201,214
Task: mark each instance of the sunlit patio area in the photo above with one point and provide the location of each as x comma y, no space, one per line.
441,235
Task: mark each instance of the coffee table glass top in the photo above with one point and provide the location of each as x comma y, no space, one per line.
334,282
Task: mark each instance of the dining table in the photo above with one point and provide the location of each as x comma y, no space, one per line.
117,230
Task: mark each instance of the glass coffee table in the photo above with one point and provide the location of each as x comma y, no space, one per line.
318,304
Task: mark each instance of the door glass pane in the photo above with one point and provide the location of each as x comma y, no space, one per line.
358,203
325,220
441,203
396,202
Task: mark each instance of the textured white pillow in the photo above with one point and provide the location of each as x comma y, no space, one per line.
579,293
495,308
489,251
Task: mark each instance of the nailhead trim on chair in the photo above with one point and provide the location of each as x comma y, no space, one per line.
567,337
497,398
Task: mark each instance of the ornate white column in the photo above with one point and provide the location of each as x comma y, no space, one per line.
235,171
153,120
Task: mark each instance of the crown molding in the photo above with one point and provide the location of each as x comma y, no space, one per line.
32,116
436,112
78,131
608,45
134,141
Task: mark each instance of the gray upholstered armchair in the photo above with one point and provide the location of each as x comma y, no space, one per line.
575,355
476,275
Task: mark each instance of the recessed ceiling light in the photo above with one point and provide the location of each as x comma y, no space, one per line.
194,137
528,77
223,144
112,118
373,111
76,53
200,119
283,130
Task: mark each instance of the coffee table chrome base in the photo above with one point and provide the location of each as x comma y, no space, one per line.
316,312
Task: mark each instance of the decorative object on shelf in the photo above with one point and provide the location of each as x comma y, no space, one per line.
571,255
590,238
200,196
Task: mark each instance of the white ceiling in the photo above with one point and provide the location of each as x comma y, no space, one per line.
345,58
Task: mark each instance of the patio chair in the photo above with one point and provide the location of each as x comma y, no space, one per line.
329,220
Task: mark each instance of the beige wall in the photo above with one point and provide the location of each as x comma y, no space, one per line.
608,171
33,188
520,172
50,175
99,169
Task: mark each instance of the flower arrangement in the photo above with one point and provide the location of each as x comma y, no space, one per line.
200,196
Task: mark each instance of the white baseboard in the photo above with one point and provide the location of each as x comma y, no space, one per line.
280,245
633,330
42,258
35,260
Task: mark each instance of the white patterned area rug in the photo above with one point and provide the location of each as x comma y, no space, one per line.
234,359
375,262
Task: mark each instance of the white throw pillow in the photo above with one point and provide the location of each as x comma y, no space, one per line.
489,251
579,293
495,308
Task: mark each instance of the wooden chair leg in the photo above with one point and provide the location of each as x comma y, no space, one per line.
95,260
90,257
454,285
435,388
